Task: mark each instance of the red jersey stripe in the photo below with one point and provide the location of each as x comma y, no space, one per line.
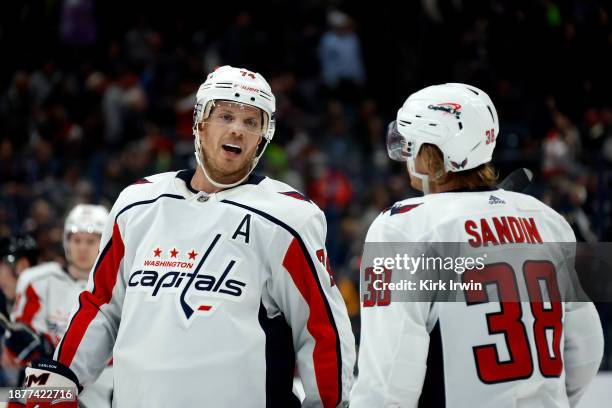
319,325
105,277
31,307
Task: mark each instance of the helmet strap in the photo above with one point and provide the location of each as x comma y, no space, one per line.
199,155
423,177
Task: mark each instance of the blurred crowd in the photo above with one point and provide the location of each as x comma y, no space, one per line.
97,94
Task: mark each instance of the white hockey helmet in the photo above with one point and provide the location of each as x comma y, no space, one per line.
240,86
459,119
84,218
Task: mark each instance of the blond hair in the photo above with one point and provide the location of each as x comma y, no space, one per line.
481,176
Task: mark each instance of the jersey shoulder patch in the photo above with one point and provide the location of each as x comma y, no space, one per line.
404,206
155,178
141,181
296,195
280,200
147,189
284,189
400,208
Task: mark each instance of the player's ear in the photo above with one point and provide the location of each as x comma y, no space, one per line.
201,127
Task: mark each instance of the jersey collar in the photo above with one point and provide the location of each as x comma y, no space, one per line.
472,190
187,174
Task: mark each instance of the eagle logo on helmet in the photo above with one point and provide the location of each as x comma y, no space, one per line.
197,110
448,107
459,165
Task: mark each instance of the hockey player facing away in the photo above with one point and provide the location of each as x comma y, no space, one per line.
509,354
47,294
211,288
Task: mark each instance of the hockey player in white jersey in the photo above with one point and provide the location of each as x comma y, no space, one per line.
211,288
495,354
47,294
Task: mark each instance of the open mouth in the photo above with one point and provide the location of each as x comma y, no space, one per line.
232,148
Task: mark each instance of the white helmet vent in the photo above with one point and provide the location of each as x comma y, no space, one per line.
491,112
265,95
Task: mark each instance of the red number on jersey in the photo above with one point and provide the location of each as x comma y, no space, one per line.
373,297
325,261
550,362
509,322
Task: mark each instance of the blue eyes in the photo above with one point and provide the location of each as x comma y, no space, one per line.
226,119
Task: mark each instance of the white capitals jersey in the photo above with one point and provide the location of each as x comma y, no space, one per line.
501,355
213,300
46,297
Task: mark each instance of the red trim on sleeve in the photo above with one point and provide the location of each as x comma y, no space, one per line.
31,307
319,326
105,277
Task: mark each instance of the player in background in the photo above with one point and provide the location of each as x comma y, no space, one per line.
212,287
17,254
508,354
47,294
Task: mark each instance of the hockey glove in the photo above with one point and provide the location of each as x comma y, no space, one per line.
25,344
57,385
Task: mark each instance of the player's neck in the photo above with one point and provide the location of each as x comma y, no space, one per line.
442,188
200,182
78,274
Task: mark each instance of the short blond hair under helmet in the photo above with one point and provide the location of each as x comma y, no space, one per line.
458,119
